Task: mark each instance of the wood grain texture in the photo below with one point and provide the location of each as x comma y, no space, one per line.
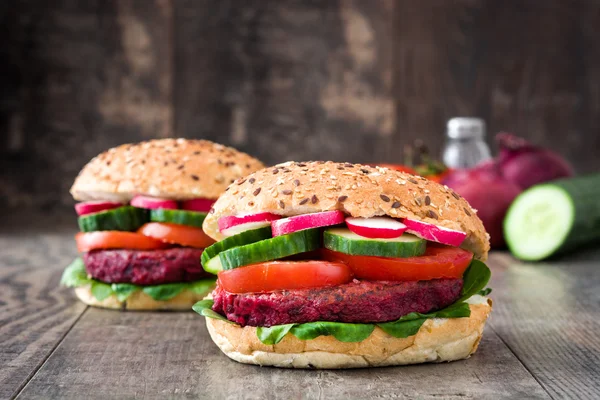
160,355
91,75
547,313
285,79
352,80
35,313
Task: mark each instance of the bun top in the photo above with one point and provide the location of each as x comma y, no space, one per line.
295,188
177,169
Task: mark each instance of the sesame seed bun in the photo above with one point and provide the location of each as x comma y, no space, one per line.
176,169
294,188
438,340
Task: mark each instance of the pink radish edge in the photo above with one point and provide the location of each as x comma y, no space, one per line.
153,203
376,227
306,221
234,220
435,233
91,207
202,205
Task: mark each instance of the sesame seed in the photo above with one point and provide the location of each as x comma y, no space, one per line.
275,171
195,177
313,180
411,180
251,203
457,197
304,201
256,192
180,167
251,180
296,182
333,177
314,199
427,200
241,181
396,204
281,204
286,192
342,199
467,212
431,214
384,198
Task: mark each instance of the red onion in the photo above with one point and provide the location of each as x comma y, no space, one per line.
526,165
489,193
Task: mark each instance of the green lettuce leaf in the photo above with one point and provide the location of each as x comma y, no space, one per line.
101,290
273,334
75,275
202,286
164,292
204,308
123,290
344,332
475,279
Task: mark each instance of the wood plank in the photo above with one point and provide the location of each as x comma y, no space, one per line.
35,313
286,79
84,76
547,313
111,354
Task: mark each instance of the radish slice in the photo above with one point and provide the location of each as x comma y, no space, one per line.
153,203
202,205
90,207
234,224
435,233
376,227
306,221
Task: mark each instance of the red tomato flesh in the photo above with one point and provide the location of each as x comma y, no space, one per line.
176,234
437,262
87,241
280,275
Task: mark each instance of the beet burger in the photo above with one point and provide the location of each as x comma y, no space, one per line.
140,219
337,265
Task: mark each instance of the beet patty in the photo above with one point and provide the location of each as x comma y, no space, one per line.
145,267
357,301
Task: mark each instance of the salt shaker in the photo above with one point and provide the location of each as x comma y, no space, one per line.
465,145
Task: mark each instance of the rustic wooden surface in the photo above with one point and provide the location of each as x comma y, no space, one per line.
542,340
348,80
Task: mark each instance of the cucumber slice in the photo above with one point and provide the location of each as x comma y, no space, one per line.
271,249
553,218
210,259
181,217
345,241
125,218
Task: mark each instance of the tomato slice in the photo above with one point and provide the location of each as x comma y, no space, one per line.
87,241
176,234
281,275
437,262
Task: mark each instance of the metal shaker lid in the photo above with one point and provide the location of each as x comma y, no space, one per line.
465,128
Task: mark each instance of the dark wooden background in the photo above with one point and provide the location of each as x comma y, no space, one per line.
287,79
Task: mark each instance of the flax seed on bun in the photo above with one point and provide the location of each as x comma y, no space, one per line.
177,169
295,188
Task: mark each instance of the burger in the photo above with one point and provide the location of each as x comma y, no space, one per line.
339,265
140,217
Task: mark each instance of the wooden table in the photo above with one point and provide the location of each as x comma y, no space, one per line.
543,340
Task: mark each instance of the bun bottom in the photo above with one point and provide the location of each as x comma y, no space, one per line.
438,340
140,301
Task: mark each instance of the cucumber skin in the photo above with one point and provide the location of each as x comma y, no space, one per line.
373,248
180,217
584,193
126,218
241,239
271,249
